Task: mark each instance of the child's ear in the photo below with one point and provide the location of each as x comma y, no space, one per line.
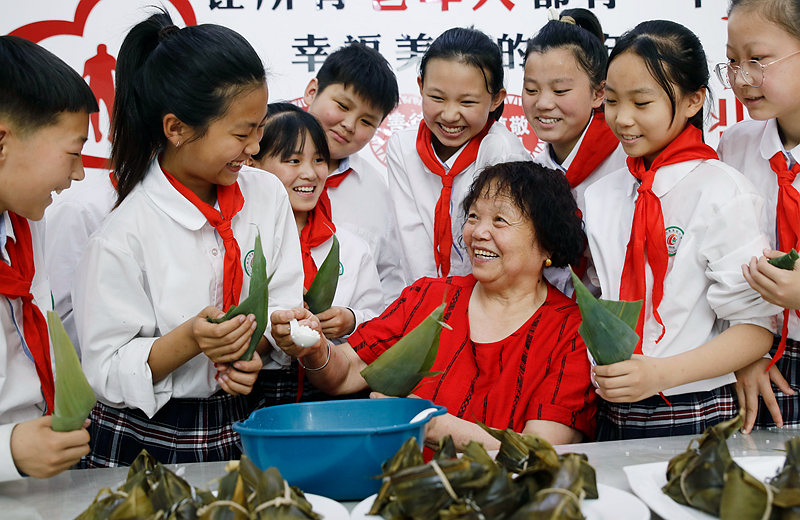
695,100
5,134
311,91
497,99
599,95
175,130
419,82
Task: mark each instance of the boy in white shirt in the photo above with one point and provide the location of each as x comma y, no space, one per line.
355,89
44,122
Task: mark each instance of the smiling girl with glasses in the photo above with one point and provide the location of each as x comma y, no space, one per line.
764,72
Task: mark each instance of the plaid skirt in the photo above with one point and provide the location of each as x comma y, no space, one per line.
183,430
789,365
690,414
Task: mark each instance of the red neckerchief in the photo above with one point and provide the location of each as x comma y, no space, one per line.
598,143
786,215
317,230
647,231
15,282
442,232
230,201
334,180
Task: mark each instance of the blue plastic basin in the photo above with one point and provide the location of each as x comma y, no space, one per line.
332,448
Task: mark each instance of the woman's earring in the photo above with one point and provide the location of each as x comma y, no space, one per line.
178,144
548,263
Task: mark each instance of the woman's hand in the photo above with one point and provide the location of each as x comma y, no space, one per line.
753,380
222,342
628,381
40,452
337,322
313,356
777,286
239,377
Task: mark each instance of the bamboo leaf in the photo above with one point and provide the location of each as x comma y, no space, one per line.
786,261
74,397
257,300
320,295
402,367
608,327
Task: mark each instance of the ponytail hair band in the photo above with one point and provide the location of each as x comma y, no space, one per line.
167,31
552,14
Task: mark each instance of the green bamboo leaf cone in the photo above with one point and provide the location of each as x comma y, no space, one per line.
399,370
74,397
608,327
786,261
320,295
256,302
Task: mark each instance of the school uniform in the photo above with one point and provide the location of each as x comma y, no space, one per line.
416,191
748,146
593,157
71,219
711,219
155,263
361,202
21,397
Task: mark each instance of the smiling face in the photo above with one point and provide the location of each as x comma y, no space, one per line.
639,111
216,157
455,103
501,241
752,37
349,120
558,98
34,165
303,173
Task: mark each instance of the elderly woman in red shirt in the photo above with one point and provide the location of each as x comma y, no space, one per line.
513,357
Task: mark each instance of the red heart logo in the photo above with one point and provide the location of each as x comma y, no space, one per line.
38,31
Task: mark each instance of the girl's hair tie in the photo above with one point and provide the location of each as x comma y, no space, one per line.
167,31
552,14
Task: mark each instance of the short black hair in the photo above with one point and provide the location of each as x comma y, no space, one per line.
36,86
285,132
366,70
544,196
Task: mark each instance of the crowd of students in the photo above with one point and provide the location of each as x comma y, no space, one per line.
135,261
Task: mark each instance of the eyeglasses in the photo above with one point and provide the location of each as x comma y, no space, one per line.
752,71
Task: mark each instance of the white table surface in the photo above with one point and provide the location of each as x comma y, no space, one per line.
70,493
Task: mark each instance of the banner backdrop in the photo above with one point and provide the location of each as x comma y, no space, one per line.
293,38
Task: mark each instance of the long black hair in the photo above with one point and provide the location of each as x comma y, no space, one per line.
194,73
674,56
472,47
285,132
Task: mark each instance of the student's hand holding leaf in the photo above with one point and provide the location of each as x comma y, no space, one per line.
222,342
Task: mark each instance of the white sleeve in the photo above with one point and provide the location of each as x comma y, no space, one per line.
389,257
403,197
117,327
368,299
733,237
8,470
285,267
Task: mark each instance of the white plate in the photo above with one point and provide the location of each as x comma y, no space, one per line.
612,504
646,480
329,509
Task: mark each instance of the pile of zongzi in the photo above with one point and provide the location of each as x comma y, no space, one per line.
153,492
707,478
528,479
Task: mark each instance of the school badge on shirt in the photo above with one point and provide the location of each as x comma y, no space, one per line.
248,262
674,236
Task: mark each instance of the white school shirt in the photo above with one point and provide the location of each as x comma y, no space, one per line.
416,190
748,147
155,263
559,277
711,213
20,390
362,204
71,219
612,163
359,287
